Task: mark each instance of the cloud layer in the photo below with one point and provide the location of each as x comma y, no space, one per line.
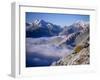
45,49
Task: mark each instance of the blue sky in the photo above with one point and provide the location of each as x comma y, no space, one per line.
59,19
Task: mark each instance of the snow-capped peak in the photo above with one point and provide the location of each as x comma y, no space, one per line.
37,21
81,24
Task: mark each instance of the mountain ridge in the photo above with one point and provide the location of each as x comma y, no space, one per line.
80,53
49,29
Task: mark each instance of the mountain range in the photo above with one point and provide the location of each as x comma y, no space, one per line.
47,42
41,28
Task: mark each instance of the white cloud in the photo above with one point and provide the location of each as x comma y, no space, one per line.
46,49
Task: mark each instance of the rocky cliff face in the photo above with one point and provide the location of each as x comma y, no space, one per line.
79,58
80,54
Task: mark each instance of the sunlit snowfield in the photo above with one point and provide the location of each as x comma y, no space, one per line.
47,42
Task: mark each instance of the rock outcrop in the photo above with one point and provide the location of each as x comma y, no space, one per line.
80,54
78,57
